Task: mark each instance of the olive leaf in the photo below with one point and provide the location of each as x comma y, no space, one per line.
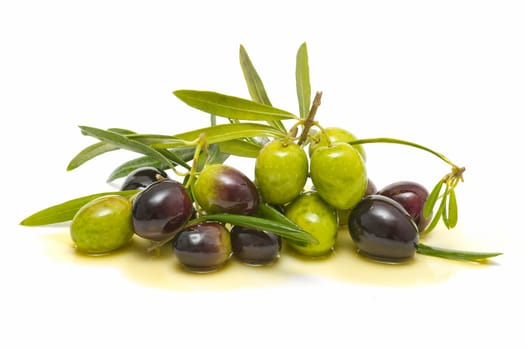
452,209
66,211
432,198
286,231
240,148
255,85
230,106
124,142
455,254
303,85
225,132
90,152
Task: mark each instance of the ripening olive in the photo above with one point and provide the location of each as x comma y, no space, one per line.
102,225
412,196
339,175
220,188
161,209
203,247
382,229
315,216
281,171
335,135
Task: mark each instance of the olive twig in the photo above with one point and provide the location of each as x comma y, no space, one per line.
201,143
310,120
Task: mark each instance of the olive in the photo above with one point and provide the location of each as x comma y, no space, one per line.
161,209
203,247
221,188
334,135
315,216
412,196
339,175
102,225
255,247
382,229
140,178
281,171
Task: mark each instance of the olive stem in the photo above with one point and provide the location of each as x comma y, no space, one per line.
201,142
412,144
310,120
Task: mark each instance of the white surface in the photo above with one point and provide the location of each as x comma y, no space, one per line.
451,75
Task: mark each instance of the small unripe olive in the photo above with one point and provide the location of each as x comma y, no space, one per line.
281,171
339,175
315,216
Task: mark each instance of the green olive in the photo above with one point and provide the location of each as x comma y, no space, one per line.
281,171
315,216
335,135
102,225
339,175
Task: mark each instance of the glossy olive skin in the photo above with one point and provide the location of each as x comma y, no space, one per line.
102,225
140,178
412,196
161,209
339,175
281,171
344,214
221,188
315,216
255,247
203,247
382,230
335,135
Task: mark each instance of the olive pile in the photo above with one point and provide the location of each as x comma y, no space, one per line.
383,224
305,187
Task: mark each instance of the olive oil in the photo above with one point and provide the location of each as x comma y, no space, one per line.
161,269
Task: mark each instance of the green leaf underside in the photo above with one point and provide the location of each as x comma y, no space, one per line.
227,132
452,209
123,142
230,106
252,78
303,85
435,220
288,232
255,85
185,153
240,148
89,153
65,211
432,198
455,254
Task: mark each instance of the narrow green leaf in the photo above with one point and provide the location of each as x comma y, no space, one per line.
303,85
230,106
226,132
255,85
437,216
452,209
455,254
65,211
240,148
267,211
122,131
285,231
444,215
252,78
186,154
89,153
432,199
123,142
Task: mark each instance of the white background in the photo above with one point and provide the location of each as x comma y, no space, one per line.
448,74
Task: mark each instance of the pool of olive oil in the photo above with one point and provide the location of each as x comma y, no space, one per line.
161,269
